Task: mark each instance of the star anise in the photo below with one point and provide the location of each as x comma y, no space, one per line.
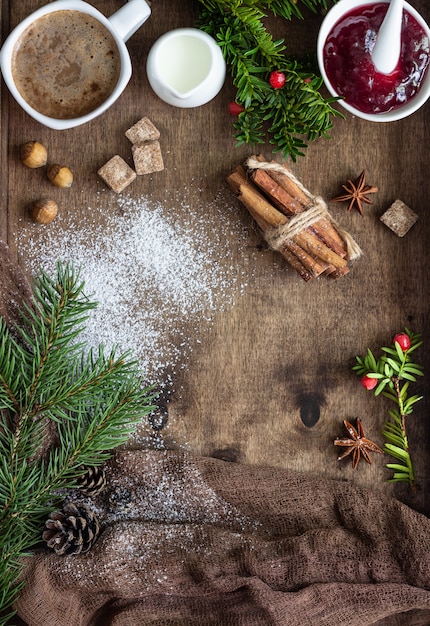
357,444
356,193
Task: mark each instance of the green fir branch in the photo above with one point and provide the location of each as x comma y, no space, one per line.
251,8
93,401
393,372
291,116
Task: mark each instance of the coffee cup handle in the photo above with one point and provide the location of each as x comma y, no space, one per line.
129,18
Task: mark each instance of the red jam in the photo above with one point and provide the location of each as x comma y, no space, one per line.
349,66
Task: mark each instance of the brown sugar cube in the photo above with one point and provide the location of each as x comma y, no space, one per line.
117,174
147,157
143,130
399,218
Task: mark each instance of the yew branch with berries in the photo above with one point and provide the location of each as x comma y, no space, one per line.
391,375
276,95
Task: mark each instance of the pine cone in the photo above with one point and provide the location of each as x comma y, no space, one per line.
92,481
72,530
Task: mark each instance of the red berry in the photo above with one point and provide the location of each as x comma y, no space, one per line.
403,340
235,108
368,383
306,80
277,79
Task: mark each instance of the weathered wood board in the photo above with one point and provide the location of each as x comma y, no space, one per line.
262,376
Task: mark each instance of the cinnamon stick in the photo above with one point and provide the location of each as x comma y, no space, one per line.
329,235
315,246
327,231
294,261
277,194
339,271
263,212
291,199
289,206
286,183
268,217
315,267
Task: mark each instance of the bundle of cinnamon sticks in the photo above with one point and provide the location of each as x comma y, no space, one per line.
293,221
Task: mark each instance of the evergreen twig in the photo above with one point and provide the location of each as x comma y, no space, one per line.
94,401
393,372
290,116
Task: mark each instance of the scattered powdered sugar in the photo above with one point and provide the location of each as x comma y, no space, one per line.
159,277
162,486
157,274
132,559
158,514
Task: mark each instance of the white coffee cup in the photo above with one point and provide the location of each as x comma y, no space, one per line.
185,67
121,25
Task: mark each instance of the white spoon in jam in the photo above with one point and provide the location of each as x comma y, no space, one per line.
386,51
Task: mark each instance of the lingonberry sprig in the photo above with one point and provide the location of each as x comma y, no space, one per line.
390,375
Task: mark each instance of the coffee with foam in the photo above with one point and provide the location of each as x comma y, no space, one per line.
66,64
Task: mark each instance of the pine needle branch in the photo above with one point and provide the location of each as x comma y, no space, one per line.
92,402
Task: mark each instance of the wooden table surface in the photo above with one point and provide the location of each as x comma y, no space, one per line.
273,350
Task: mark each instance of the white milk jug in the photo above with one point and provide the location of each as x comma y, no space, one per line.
186,67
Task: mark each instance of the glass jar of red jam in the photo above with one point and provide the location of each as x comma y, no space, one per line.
349,68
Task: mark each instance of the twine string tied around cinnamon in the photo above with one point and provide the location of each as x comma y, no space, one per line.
318,209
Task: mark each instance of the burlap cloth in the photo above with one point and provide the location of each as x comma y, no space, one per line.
194,541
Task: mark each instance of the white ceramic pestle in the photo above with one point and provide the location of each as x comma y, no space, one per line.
386,52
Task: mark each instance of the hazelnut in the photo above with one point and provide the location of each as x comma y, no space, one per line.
60,175
44,210
33,154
